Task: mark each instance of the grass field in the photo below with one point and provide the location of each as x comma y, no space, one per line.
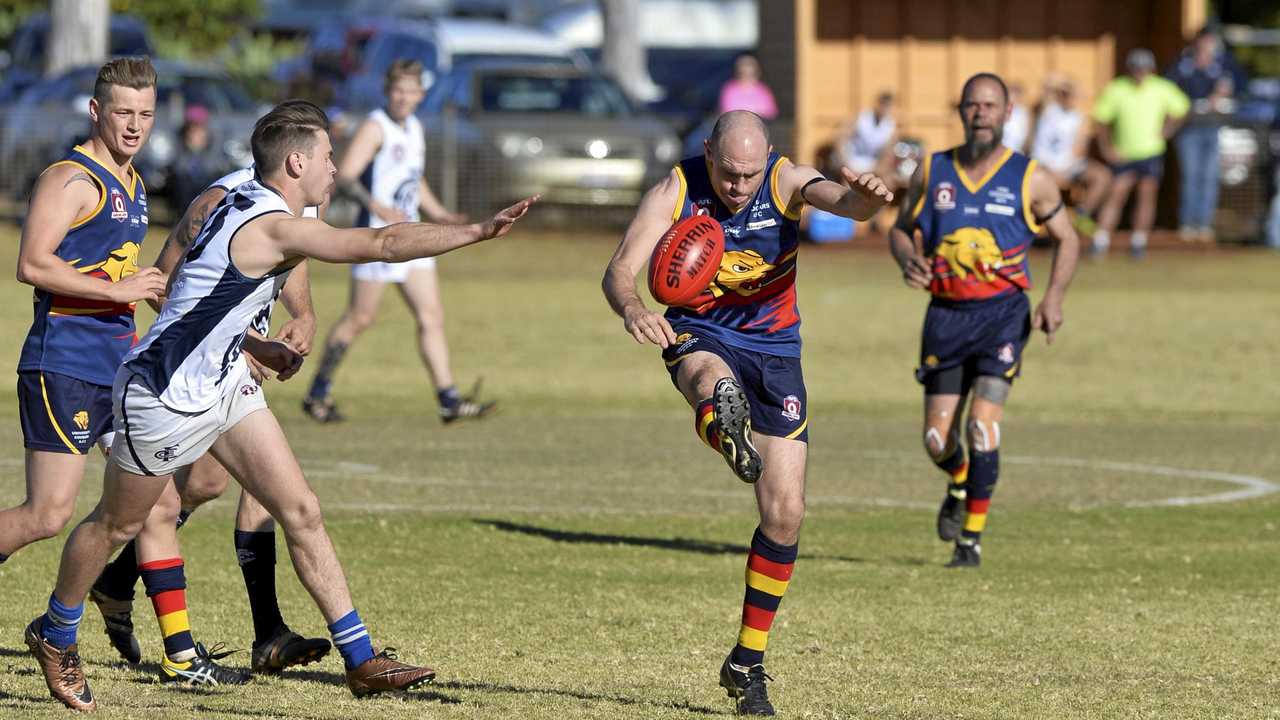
580,554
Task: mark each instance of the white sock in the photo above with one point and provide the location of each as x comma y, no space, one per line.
1138,241
1101,240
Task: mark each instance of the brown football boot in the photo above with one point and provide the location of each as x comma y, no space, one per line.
61,669
384,673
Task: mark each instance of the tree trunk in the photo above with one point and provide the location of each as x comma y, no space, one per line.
78,34
623,54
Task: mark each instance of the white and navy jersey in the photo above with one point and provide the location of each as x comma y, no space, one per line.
195,343
396,171
236,178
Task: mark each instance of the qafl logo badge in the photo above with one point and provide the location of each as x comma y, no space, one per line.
119,212
791,408
944,197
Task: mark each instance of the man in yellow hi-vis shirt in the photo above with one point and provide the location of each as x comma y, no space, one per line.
1135,115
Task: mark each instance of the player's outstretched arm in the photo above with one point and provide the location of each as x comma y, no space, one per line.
652,219
863,197
915,267
308,238
64,194
1047,206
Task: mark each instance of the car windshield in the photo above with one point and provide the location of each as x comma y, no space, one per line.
582,95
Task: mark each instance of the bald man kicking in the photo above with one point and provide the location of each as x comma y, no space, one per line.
734,352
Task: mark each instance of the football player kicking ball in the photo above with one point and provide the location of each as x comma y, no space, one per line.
185,390
735,352
275,646
977,208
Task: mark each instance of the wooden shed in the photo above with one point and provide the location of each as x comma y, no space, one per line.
828,59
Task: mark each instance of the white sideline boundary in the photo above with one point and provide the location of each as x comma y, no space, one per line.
1249,487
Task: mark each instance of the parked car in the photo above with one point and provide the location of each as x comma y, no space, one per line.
441,44
690,48
28,48
52,115
510,131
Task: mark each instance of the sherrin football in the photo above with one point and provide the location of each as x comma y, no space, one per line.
685,261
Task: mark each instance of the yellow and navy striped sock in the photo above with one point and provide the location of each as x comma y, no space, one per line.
166,585
769,569
704,423
984,470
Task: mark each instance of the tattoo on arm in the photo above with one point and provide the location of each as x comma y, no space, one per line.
81,176
191,227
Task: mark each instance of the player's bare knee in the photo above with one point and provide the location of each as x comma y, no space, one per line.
984,434
301,514
49,523
201,488
359,321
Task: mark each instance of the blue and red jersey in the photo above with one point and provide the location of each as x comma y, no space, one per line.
977,232
751,303
86,339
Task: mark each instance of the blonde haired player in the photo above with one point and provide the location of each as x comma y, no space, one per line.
383,170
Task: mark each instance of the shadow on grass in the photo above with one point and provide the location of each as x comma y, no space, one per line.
690,545
14,652
580,695
423,693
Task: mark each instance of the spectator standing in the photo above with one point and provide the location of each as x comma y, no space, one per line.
1135,115
1209,76
746,91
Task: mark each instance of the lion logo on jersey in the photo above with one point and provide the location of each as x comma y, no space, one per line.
120,263
971,250
742,271
81,419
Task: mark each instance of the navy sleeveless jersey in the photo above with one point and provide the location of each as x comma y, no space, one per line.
751,303
86,339
977,234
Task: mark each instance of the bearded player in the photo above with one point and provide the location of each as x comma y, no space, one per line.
977,208
735,354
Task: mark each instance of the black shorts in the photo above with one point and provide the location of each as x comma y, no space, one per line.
60,413
774,384
963,340
1152,167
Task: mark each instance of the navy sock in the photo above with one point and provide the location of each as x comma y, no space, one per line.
322,384
3,557
120,576
256,552
984,470
449,397
61,623
352,640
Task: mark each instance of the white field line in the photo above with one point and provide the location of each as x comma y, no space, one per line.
1250,487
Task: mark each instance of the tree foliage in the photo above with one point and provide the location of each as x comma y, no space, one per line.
191,28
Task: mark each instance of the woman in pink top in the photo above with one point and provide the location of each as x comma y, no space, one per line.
745,91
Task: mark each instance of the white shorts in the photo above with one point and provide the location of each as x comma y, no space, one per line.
390,272
154,439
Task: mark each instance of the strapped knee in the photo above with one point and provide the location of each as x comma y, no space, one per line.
936,446
984,435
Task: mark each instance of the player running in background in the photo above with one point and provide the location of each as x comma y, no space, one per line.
185,389
275,646
382,169
735,353
977,208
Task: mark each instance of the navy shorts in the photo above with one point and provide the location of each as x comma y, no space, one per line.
60,413
774,384
1152,167
963,340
